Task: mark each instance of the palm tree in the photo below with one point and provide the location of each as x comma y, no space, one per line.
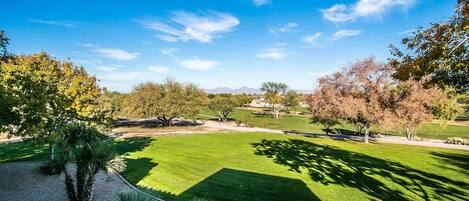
274,95
87,148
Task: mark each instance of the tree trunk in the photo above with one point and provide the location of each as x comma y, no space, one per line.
366,134
277,112
70,187
88,190
409,133
81,180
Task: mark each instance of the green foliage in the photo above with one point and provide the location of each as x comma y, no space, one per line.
222,106
438,53
291,100
87,148
164,101
112,103
243,99
273,95
43,94
447,108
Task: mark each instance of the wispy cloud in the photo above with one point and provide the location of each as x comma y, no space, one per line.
185,26
110,68
158,69
107,69
288,27
112,53
261,2
311,39
64,23
362,8
272,53
343,33
198,64
406,32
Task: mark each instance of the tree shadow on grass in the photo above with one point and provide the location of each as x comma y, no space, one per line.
238,185
461,162
127,145
137,169
22,151
331,165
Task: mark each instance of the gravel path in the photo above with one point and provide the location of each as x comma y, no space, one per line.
20,181
383,139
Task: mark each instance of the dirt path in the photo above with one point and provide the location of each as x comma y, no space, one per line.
21,181
382,139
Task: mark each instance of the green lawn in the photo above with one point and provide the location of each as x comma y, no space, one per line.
301,123
260,166
270,167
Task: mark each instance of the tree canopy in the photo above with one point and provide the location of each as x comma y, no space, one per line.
273,95
440,52
222,106
165,101
42,94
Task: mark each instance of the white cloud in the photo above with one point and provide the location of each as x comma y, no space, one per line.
362,8
118,54
406,32
158,69
198,64
185,26
122,76
288,27
273,53
107,69
69,24
261,2
311,39
112,53
345,33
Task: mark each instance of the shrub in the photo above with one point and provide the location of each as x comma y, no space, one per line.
457,140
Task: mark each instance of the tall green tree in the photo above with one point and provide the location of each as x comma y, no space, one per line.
44,94
165,101
291,100
439,52
112,102
222,107
273,95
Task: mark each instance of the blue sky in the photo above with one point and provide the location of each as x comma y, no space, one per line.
231,43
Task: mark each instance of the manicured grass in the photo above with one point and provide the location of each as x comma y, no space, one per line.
261,166
301,123
22,151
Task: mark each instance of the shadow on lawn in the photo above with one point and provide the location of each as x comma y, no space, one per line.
21,151
461,162
237,185
127,145
330,165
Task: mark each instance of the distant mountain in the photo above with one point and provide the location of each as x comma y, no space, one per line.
244,90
